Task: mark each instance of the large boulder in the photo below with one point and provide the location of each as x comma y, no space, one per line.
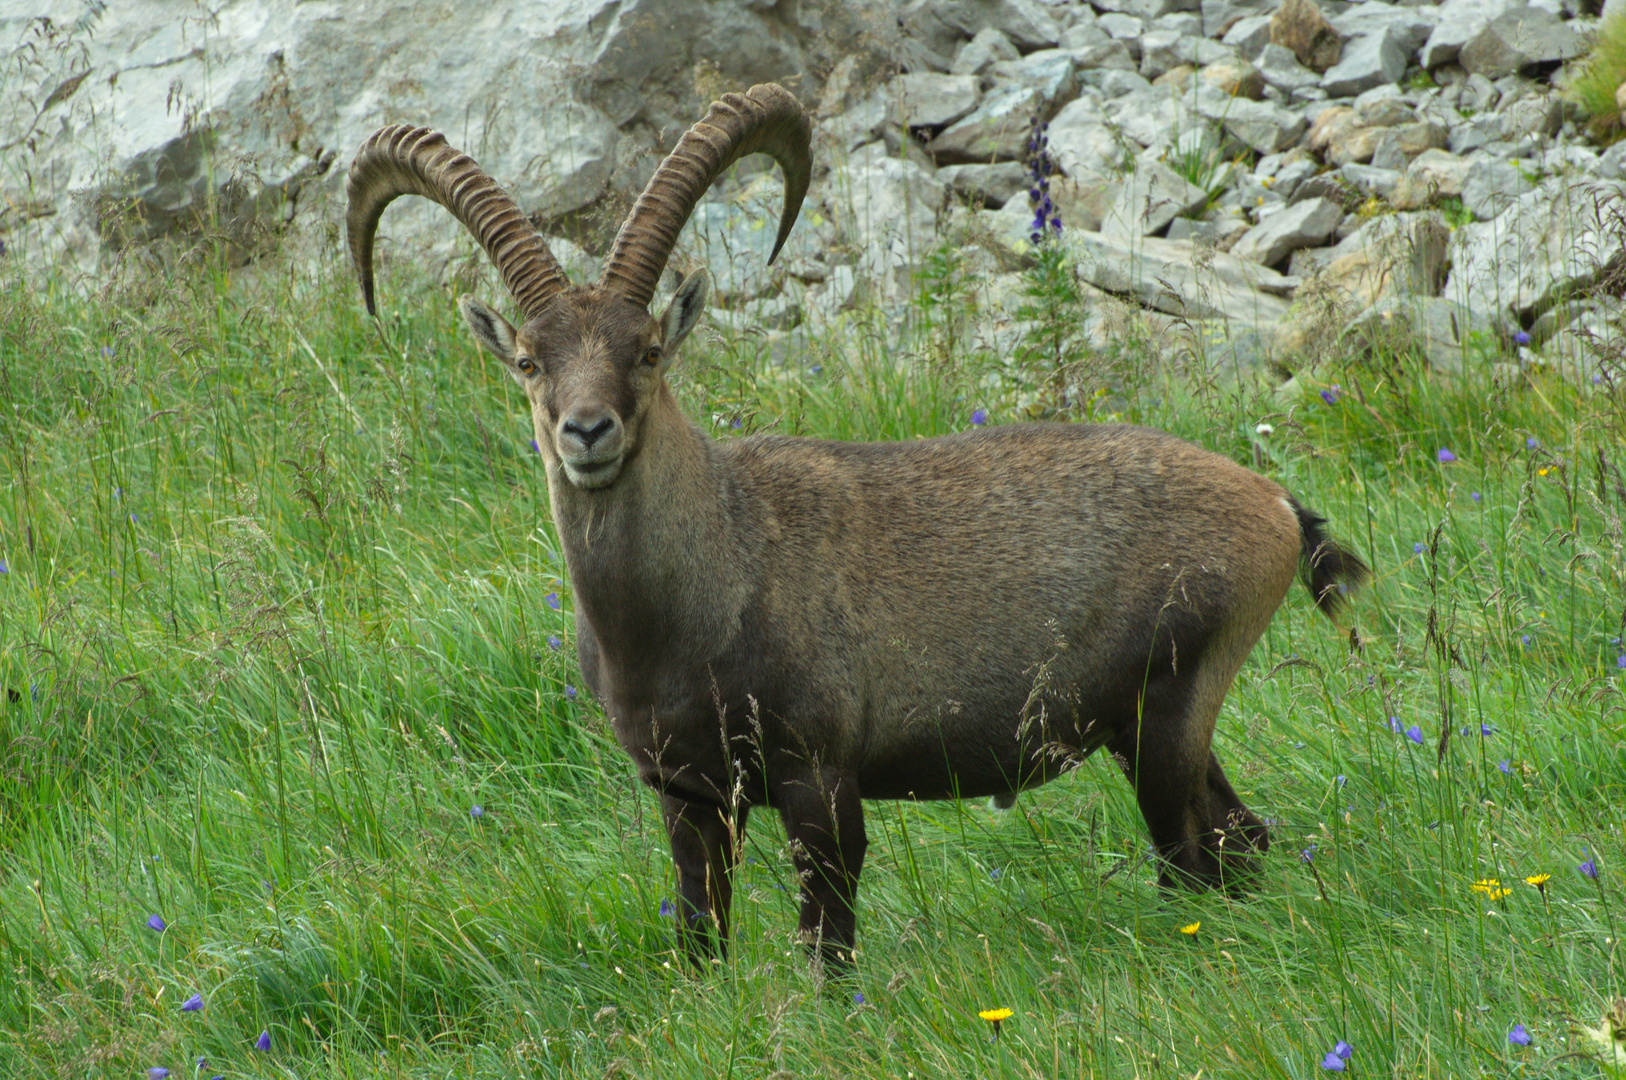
156,122
1299,26
1546,246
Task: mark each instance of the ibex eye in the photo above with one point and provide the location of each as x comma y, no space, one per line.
653,356
526,365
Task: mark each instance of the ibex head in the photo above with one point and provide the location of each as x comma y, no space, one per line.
591,359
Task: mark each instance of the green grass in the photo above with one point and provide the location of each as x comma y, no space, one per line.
1599,75
264,705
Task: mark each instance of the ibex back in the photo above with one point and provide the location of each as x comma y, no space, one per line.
805,624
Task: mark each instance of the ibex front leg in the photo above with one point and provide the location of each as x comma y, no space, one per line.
824,821
704,848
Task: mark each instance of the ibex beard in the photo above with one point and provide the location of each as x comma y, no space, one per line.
803,624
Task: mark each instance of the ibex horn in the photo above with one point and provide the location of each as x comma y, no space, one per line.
766,119
402,160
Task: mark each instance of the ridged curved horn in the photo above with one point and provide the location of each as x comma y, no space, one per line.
766,119
403,160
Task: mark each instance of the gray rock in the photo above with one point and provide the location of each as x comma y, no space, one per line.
1492,185
1146,9
1369,60
1612,164
1082,141
1093,63
1549,245
930,100
1433,174
1384,107
1304,224
1528,41
1086,35
1371,180
1475,133
1459,21
1122,26
1262,125
1412,24
982,52
1168,276
882,199
1113,83
991,185
1388,155
1160,50
1537,115
1151,197
1438,329
996,131
1249,35
1187,23
1053,71
1221,16
1027,23
1150,116
1281,69
1479,94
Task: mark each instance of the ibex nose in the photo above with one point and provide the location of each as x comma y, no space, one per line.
588,431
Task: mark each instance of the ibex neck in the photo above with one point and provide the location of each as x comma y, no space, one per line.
654,562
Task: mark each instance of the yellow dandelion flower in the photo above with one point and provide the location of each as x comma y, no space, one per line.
1191,929
994,1016
1486,885
1538,880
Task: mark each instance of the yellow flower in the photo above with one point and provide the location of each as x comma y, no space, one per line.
1490,887
994,1016
1538,880
1192,929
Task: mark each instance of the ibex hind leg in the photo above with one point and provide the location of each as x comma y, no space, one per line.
1204,835
704,848
824,821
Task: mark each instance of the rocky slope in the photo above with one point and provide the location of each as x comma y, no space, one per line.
1210,157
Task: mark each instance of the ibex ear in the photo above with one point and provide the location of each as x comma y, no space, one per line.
683,313
490,329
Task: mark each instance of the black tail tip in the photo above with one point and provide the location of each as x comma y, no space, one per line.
1330,572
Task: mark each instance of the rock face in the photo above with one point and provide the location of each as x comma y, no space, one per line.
1276,134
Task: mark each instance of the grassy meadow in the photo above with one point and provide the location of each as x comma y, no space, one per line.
289,665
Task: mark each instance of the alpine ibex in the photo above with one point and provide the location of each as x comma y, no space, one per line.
805,624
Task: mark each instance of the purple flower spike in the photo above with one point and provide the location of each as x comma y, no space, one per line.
193,1003
1590,869
1521,338
263,1043
979,417
667,910
1519,1036
1415,734
157,923
1333,1063
1445,456
1344,1050
552,600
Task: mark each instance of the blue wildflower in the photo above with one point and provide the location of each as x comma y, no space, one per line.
477,811
1521,338
1415,734
1343,1050
1486,730
995,873
1333,1063
1620,661
1417,548
193,1003
553,641
1445,457
1394,725
552,600
263,1043
1505,767
1341,779
1474,496
667,910
1531,442
858,998
1524,640
107,354
1332,394
156,922
1590,869
4,569
157,1072
535,448
570,692
979,417
1519,1036
1307,855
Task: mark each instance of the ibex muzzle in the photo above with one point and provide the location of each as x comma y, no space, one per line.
804,624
